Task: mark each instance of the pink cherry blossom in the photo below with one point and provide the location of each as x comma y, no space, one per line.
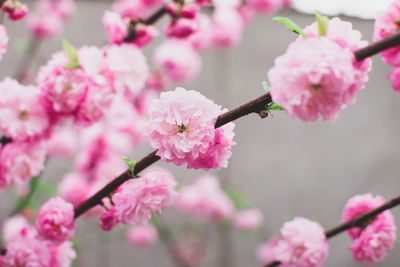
129,68
45,26
370,242
3,40
228,27
62,88
22,114
181,127
115,26
142,236
15,10
181,28
21,161
321,80
394,76
137,199
248,219
266,6
109,219
13,226
201,39
205,200
387,23
302,244
342,33
136,9
74,188
144,34
62,142
177,61
61,255
55,220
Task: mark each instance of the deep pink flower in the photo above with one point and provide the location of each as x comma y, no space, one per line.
228,27
145,34
387,23
181,28
109,219
371,241
177,61
266,6
20,162
115,26
142,236
182,128
15,10
22,114
55,220
248,219
302,244
205,200
137,199
320,81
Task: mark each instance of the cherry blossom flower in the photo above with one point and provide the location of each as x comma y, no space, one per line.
142,236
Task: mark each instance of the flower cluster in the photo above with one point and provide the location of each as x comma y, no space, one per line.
372,240
205,200
324,75
182,128
25,248
302,243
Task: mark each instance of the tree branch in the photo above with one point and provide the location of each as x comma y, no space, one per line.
374,48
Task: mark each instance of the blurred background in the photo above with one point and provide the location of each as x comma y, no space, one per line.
286,167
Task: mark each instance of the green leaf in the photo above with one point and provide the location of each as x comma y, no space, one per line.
273,106
131,164
323,22
265,85
72,65
70,50
290,25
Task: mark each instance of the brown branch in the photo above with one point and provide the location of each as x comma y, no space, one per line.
374,48
253,106
5,140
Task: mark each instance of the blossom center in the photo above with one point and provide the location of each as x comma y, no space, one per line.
181,128
23,114
315,87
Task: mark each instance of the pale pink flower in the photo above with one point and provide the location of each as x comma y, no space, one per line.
205,200
387,23
394,76
228,27
115,26
302,244
55,220
177,61
248,219
201,39
3,40
45,25
320,81
372,240
63,89
74,188
21,161
109,219
181,127
63,142
61,255
136,9
342,33
64,8
137,199
22,114
128,67
13,226
142,236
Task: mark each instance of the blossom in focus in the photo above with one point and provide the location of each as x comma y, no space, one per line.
142,236
302,243
137,199
387,23
182,128
55,220
22,114
21,161
205,200
321,80
177,61
248,219
372,240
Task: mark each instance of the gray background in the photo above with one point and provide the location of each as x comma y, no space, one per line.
288,168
